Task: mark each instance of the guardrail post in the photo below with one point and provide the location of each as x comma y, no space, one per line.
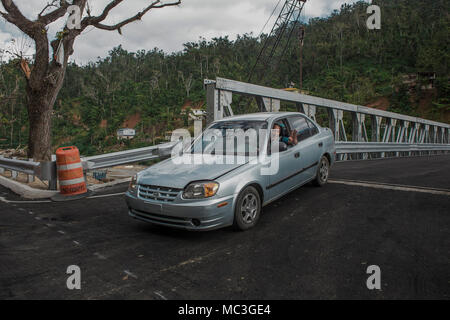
30,177
14,173
47,171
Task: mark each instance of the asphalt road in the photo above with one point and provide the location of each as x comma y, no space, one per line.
315,243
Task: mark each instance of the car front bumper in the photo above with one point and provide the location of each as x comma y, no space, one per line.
199,215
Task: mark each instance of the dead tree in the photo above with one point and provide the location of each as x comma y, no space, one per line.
45,80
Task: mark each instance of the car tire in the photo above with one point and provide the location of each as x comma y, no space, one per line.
247,210
323,172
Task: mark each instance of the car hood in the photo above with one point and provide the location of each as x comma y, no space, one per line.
179,172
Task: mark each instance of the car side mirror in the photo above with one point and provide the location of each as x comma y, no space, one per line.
282,147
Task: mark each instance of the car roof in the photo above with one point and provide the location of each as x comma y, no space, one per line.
260,116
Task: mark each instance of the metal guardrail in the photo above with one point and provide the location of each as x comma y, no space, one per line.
28,167
42,170
127,156
377,147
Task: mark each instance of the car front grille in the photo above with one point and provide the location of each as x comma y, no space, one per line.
161,219
158,193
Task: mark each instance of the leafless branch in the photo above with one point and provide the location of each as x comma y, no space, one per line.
96,21
49,5
14,16
55,14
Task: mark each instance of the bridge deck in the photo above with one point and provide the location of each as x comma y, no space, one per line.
313,243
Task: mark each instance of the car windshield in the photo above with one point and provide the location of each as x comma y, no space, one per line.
240,137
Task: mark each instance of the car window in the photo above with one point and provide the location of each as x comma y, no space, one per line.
301,125
220,138
313,127
284,132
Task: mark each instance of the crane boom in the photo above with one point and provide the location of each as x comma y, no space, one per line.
290,12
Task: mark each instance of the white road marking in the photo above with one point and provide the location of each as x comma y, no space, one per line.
160,295
106,195
100,256
128,273
62,232
385,186
76,242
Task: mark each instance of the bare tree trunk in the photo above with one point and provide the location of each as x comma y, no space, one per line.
41,99
39,139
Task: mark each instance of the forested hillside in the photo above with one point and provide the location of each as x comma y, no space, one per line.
342,60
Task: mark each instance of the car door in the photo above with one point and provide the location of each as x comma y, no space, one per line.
306,149
284,178
318,146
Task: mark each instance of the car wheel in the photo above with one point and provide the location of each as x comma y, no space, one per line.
248,209
323,172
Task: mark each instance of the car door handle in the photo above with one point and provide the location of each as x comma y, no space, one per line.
297,155
321,145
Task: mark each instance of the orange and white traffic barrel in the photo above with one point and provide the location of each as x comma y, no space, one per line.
70,172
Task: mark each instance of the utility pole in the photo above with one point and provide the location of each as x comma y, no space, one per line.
301,38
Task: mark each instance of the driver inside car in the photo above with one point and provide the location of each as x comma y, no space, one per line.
283,134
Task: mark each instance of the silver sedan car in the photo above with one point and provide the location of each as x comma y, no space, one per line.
184,193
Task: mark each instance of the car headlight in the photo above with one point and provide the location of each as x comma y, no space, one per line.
133,184
201,190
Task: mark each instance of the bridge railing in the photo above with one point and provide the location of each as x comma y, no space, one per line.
376,150
368,125
386,126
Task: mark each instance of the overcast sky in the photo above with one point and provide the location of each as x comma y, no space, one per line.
166,28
